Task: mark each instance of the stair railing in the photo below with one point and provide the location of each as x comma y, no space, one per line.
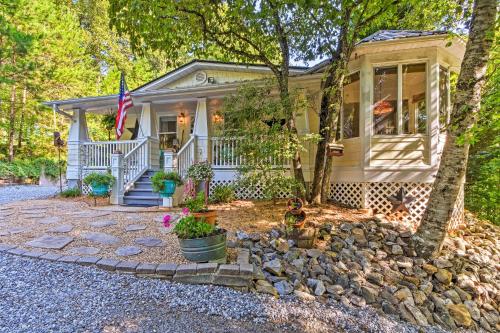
186,156
135,163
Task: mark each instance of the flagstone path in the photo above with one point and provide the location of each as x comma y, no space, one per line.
73,228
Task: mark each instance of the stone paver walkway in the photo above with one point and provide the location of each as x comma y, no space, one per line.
73,228
50,242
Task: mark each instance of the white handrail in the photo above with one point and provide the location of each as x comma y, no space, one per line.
186,156
135,163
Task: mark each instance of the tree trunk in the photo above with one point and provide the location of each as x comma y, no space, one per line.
331,103
433,229
12,122
21,121
333,122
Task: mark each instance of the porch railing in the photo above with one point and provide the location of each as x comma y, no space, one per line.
225,154
135,163
186,156
97,155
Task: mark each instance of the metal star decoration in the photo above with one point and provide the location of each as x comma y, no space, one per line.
400,201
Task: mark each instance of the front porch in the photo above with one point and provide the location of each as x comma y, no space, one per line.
162,135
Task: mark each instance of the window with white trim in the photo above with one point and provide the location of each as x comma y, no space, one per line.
350,107
400,99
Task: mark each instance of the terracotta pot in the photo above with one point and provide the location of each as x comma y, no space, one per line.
300,218
295,205
209,216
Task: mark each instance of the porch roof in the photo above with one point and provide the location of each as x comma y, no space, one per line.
152,91
99,104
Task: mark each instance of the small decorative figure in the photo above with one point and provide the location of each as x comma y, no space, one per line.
400,201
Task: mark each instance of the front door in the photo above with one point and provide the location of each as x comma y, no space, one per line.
168,132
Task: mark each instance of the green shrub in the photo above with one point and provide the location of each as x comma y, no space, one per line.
71,193
197,203
160,176
482,191
96,178
189,228
222,194
30,169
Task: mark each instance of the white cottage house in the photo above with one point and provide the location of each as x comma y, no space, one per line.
395,111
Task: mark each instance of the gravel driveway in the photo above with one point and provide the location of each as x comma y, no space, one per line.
40,296
25,192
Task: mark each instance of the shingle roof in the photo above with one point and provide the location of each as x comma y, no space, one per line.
383,35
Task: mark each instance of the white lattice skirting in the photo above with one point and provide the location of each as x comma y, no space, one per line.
246,192
375,196
370,195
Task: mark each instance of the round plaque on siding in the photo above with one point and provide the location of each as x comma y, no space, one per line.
200,77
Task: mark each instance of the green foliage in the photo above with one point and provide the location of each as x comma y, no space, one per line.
189,228
200,172
96,178
257,120
30,169
483,186
196,204
53,50
71,193
482,191
159,177
222,194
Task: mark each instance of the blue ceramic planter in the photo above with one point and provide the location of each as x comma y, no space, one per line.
168,188
99,190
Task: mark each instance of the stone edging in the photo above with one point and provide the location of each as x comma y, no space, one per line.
238,276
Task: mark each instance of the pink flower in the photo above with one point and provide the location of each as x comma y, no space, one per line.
166,221
185,211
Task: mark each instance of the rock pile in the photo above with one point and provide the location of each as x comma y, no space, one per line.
374,263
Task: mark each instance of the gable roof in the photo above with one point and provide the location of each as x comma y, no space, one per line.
198,64
384,35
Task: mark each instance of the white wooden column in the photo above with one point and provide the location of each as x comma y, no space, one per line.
78,133
147,122
117,172
147,129
365,110
200,130
433,109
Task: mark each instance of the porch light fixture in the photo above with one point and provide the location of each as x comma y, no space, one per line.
217,118
181,118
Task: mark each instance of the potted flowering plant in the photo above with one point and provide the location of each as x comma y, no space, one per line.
99,182
199,241
165,183
200,173
199,210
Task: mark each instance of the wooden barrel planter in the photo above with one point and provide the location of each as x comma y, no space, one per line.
204,249
304,238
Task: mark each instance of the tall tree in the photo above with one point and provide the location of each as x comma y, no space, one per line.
238,29
451,174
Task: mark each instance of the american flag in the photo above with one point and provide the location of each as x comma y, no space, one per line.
124,102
